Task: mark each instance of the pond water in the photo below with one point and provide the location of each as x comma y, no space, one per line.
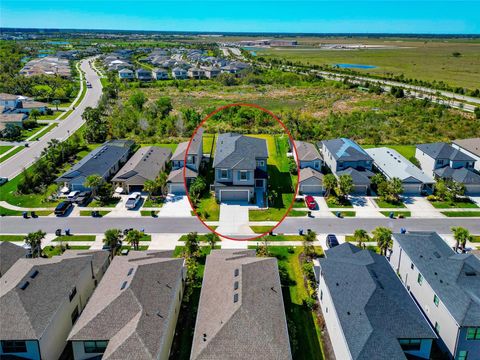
354,66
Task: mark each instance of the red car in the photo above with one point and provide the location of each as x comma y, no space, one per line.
310,201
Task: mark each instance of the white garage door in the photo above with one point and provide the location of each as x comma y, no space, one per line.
234,195
359,189
411,188
311,189
472,189
177,189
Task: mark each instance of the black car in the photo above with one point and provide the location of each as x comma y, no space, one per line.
63,208
332,241
83,198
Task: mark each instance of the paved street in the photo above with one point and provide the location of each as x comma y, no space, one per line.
14,165
88,225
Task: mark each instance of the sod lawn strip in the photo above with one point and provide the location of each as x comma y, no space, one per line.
201,238
261,229
67,238
9,212
208,209
461,213
281,237
89,212
396,213
4,148
12,237
11,153
345,213
79,247
149,213
466,204
388,205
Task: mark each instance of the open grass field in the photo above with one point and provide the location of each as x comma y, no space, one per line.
417,59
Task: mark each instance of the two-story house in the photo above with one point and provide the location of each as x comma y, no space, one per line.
179,73
446,286
143,74
471,147
175,182
443,161
160,74
345,157
126,74
310,162
240,165
367,311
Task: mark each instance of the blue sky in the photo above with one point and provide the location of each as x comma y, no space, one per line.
399,16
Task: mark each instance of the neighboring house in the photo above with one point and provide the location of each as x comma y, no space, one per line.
143,74
160,74
230,69
367,311
20,104
179,73
133,312
145,164
8,100
471,147
211,72
126,74
41,299
241,313
175,181
240,165
393,165
308,155
445,285
441,160
26,106
345,157
105,161
9,254
195,73
311,182
12,119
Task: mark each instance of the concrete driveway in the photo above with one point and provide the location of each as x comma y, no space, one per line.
234,219
421,207
178,208
475,199
364,207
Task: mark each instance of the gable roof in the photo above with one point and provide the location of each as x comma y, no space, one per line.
134,319
307,173
307,151
471,145
145,164
176,176
373,307
346,150
394,165
194,149
254,324
98,161
359,177
462,175
235,151
9,254
441,150
26,314
455,278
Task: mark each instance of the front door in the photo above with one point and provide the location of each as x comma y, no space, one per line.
259,183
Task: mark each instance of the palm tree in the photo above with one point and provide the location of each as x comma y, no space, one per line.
461,236
133,238
396,188
34,239
112,239
345,185
383,237
361,236
35,113
330,183
212,239
162,182
93,182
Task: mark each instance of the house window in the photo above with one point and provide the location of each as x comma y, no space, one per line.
224,174
72,294
410,344
92,347
14,346
74,315
437,327
412,266
321,295
243,175
260,163
462,355
420,279
473,333
190,159
435,300
316,164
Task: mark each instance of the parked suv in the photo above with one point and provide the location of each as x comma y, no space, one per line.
332,241
83,198
72,196
63,208
133,200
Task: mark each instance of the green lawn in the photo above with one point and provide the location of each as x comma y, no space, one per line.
333,202
208,209
201,238
79,247
396,213
281,237
82,95
67,238
46,130
9,212
475,238
49,117
112,202
170,146
65,114
209,143
303,329
457,204
408,151
12,237
345,213
12,153
153,202
261,229
148,213
89,212
461,213
4,149
26,133
388,205
51,251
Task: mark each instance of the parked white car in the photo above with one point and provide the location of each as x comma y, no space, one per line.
72,195
133,200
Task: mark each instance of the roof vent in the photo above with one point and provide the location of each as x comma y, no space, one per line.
124,285
273,289
470,273
235,298
130,271
159,315
24,285
437,255
348,312
33,274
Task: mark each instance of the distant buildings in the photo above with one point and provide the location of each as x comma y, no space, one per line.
47,66
241,313
126,74
446,287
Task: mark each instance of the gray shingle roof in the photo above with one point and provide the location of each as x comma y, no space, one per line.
346,150
235,151
373,307
307,151
98,161
194,149
358,177
395,165
441,150
254,327
26,314
307,173
145,164
462,175
446,273
472,145
9,254
176,176
134,320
